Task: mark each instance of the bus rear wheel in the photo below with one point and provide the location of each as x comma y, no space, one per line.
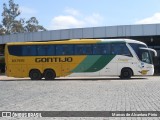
49,74
35,74
126,73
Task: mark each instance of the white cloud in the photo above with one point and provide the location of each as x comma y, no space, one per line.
150,20
64,22
74,19
27,11
72,11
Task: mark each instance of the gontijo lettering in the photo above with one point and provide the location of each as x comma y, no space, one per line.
54,59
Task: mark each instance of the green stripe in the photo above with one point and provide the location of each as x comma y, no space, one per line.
100,63
86,63
93,63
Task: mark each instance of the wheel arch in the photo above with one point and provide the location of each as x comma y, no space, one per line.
34,69
48,69
127,68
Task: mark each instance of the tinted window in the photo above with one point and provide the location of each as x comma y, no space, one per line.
64,50
32,50
120,49
136,47
19,50
83,49
101,49
29,50
15,50
46,50
143,55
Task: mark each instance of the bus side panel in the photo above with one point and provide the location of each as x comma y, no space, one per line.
95,65
13,69
16,70
24,70
66,69
110,69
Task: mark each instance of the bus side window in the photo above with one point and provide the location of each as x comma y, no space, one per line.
95,49
29,50
15,50
115,49
83,49
51,50
64,50
25,50
125,51
42,50
88,49
46,50
68,49
99,49
79,49
107,49
59,50
120,49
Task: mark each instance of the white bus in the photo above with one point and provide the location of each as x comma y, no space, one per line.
110,57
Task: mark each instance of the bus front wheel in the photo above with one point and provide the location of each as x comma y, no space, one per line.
35,74
49,74
126,73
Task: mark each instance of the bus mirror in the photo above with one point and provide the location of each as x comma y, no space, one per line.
154,51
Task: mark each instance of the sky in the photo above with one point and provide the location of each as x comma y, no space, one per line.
65,14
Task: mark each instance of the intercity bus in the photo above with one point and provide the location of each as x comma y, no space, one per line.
78,58
2,61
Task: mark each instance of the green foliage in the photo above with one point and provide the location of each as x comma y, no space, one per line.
11,24
2,30
33,26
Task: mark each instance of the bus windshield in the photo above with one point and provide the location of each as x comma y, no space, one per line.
143,54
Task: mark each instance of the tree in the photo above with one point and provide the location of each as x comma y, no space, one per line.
32,25
11,24
2,30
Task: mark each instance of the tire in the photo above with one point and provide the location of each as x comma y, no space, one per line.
126,73
49,74
35,74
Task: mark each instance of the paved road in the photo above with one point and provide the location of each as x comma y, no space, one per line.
77,94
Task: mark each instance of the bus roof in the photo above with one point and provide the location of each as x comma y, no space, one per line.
77,41
125,40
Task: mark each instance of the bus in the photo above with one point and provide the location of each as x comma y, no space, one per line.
78,58
2,61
